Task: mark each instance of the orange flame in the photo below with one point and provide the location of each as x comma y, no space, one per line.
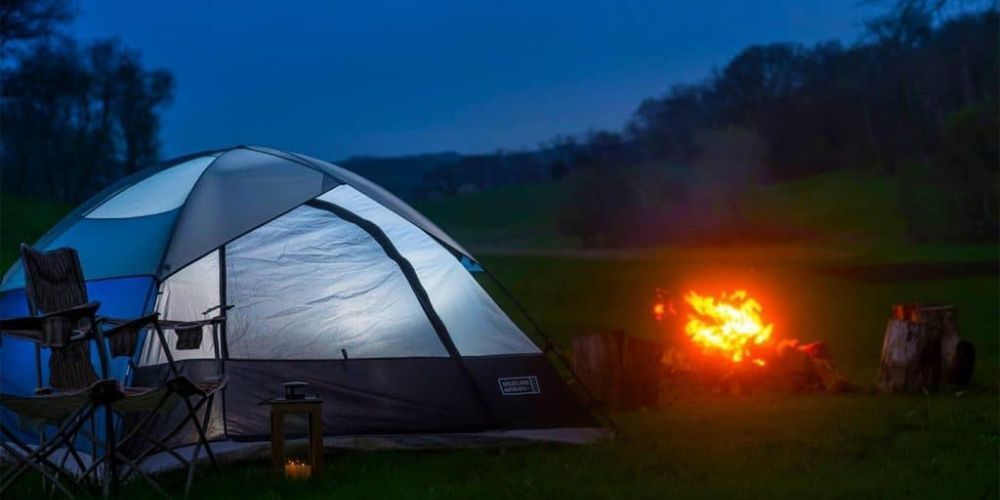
730,325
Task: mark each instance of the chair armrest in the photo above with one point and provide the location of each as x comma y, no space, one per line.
34,328
167,324
20,323
82,311
120,325
27,327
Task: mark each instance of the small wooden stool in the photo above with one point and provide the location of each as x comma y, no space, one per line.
282,407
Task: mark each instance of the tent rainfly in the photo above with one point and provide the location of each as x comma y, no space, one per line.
332,280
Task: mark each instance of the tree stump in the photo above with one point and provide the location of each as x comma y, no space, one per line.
620,371
922,349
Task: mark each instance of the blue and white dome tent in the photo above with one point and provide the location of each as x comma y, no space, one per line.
333,281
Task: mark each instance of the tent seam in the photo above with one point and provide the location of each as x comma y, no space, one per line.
415,285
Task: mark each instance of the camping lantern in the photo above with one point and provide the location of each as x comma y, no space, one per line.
296,402
295,390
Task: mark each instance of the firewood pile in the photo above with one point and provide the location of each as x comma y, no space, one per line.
731,349
792,367
625,372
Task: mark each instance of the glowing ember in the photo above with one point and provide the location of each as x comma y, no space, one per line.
729,325
661,309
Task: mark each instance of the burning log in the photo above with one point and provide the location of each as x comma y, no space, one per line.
922,349
732,348
622,372
823,369
790,367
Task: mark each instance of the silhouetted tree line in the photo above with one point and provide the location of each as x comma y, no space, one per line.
73,116
477,172
917,99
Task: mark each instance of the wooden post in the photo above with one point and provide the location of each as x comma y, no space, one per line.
278,441
316,441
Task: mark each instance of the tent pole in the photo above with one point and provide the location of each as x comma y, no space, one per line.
222,330
410,274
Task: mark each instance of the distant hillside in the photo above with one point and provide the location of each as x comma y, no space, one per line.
842,207
419,177
518,216
403,175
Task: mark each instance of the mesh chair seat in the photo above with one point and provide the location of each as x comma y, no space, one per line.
141,399
52,407
64,321
58,405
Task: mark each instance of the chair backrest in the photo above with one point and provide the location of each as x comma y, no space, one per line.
53,281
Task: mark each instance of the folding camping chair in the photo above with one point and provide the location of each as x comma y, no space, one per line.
55,288
147,403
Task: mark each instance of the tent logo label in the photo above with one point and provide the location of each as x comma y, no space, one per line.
517,386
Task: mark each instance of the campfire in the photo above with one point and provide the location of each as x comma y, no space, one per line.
729,343
730,326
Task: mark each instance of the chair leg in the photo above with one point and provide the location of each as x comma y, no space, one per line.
160,444
54,480
65,433
177,428
111,466
163,447
201,431
197,448
113,457
137,431
39,457
135,468
142,423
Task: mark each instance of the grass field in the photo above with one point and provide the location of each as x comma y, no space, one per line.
845,207
705,444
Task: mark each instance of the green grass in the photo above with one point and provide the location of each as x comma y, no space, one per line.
846,206
512,216
706,445
24,220
703,444
700,444
709,446
851,213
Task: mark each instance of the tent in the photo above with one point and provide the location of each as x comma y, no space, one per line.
332,281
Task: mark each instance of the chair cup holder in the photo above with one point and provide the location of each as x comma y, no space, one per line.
188,337
123,343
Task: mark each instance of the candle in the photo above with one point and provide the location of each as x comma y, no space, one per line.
297,470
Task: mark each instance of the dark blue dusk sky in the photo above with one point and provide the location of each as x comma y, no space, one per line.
334,79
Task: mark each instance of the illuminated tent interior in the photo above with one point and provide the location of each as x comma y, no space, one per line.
332,281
